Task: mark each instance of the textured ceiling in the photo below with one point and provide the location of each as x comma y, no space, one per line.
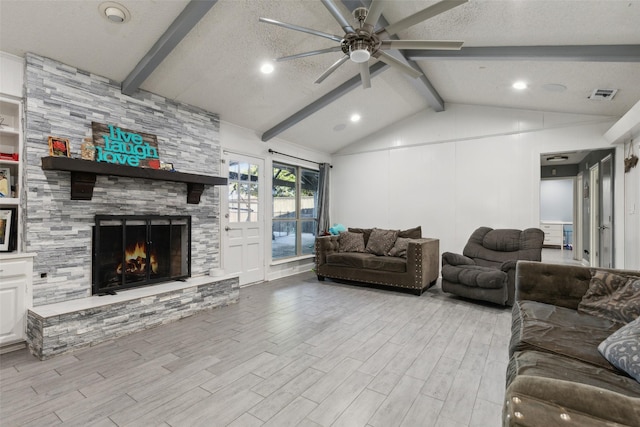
216,66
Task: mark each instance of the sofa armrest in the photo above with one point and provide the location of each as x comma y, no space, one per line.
508,265
450,258
561,285
423,259
539,401
324,246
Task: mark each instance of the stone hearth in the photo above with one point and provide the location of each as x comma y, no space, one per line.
63,327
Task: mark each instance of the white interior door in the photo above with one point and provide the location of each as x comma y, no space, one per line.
606,216
243,218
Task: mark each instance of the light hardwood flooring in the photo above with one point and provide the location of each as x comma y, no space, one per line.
291,352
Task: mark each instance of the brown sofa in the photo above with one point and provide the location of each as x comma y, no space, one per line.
414,267
486,269
557,374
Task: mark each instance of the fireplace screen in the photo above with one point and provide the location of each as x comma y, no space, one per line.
132,251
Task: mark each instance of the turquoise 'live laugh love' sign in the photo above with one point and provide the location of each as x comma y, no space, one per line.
125,147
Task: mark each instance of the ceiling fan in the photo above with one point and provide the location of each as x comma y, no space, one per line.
362,42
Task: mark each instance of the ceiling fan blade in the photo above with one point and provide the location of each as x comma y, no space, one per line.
375,10
365,76
397,64
311,53
303,29
337,15
423,15
422,44
331,69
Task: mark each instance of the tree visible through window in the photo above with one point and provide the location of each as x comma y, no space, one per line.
295,211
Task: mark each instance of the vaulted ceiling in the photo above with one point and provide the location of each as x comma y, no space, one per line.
209,53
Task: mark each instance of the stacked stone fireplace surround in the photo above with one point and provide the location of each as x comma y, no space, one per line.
62,101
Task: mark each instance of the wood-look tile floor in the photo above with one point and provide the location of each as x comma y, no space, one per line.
291,352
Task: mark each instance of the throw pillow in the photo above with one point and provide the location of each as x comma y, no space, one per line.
381,241
622,349
365,231
612,296
399,249
351,242
411,233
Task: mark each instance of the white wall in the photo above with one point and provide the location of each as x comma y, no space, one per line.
240,140
454,171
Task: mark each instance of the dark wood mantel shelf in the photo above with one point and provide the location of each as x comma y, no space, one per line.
84,172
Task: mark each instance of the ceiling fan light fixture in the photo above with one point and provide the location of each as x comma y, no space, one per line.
359,51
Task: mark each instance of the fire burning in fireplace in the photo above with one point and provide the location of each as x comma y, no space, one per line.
136,260
139,250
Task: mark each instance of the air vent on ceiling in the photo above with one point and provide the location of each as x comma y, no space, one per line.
603,94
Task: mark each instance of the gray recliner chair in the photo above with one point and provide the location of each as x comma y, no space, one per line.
486,269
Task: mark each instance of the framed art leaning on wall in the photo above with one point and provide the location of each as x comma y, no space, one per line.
8,231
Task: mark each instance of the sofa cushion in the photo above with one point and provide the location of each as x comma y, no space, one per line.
386,263
505,240
381,241
348,259
622,349
612,296
554,366
368,261
475,276
400,247
549,328
351,242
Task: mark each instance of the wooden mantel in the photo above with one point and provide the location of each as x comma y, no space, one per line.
84,172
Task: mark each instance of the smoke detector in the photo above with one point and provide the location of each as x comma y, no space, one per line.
603,94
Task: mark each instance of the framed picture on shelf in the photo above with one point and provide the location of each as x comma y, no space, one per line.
59,147
8,236
5,182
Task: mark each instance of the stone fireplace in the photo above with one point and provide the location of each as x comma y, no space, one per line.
67,199
139,250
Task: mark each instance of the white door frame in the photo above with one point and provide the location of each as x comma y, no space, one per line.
594,215
577,223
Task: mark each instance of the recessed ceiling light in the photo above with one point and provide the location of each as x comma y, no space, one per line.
339,127
266,68
114,12
355,117
520,85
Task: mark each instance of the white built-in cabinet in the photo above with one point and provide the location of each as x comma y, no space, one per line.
16,266
15,296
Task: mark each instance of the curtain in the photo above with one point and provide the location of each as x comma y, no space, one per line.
323,199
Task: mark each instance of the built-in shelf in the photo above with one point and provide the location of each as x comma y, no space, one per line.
84,172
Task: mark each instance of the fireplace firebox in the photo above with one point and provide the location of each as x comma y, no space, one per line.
139,250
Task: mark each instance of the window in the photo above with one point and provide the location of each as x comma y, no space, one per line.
295,211
243,192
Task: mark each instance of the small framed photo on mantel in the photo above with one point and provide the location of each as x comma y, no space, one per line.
59,147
